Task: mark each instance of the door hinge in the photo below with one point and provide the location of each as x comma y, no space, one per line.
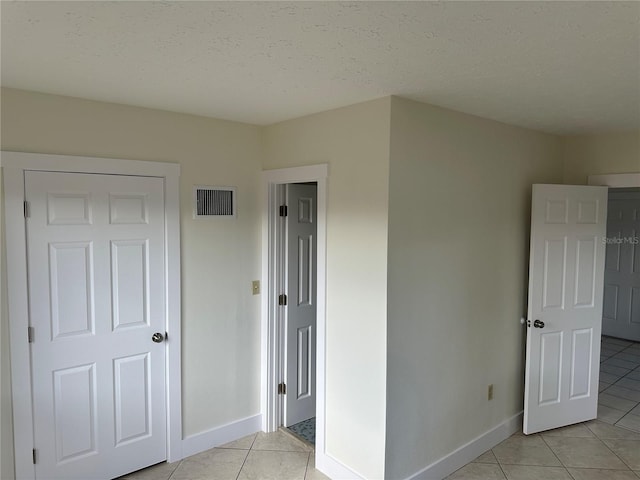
33,454
282,299
30,334
26,209
282,389
284,211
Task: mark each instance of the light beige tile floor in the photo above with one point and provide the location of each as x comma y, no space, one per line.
603,449
588,451
261,456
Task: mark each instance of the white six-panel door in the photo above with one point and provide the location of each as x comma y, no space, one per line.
565,305
300,398
95,248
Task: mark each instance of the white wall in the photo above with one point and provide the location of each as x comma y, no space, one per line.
459,210
6,420
586,155
220,258
354,141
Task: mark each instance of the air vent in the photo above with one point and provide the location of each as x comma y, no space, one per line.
214,202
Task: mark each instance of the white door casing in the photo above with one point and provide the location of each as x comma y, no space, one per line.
566,272
300,334
272,181
15,165
95,254
621,313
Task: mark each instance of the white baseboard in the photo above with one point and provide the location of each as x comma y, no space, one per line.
470,451
334,469
215,437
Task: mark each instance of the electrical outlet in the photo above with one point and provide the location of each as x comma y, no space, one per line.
490,392
255,287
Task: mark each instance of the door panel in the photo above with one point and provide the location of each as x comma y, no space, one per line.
555,265
586,257
95,249
581,354
301,313
304,362
129,283
550,367
72,310
566,298
132,395
75,420
621,314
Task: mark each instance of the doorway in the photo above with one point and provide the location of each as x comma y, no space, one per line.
75,208
272,401
621,312
297,245
614,399
619,358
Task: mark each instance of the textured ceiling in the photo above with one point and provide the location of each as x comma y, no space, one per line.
563,67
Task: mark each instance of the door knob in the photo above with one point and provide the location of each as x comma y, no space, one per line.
158,337
538,324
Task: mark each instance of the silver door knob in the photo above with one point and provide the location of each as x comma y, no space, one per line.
538,324
157,337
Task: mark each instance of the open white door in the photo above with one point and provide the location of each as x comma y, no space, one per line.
566,273
300,398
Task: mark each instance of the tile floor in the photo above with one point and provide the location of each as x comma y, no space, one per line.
263,456
619,400
604,449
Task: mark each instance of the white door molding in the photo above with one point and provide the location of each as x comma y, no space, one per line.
269,396
615,180
14,165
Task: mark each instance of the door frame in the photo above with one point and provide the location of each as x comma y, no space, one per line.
272,179
615,180
14,165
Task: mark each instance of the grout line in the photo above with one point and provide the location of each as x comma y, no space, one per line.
284,451
246,456
499,464
243,463
175,469
255,437
306,469
552,451
570,474
620,458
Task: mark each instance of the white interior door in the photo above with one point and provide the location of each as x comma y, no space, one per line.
621,314
95,249
566,271
300,341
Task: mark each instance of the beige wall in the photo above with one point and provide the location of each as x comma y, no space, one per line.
220,258
586,155
354,141
428,221
459,209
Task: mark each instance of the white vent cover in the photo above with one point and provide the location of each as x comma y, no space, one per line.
214,202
